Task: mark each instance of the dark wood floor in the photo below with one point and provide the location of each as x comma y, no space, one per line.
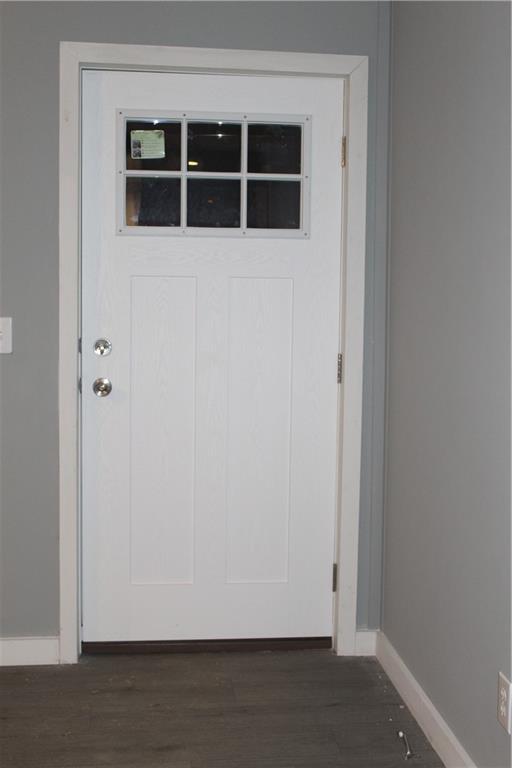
298,709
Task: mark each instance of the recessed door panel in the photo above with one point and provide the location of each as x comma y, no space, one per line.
162,435
259,424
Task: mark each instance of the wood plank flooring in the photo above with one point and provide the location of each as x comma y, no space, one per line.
296,709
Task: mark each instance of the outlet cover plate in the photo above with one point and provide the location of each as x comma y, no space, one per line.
505,702
5,335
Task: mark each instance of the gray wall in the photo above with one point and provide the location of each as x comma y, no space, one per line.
446,606
29,248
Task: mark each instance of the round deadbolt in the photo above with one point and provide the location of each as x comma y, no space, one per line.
102,387
102,347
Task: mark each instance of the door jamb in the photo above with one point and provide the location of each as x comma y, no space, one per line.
354,69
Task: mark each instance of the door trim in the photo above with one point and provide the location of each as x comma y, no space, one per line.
74,57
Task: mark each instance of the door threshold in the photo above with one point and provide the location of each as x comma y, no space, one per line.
208,646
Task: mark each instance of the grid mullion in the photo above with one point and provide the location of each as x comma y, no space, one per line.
153,174
274,177
243,184
184,156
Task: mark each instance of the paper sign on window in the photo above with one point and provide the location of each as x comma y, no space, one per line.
147,145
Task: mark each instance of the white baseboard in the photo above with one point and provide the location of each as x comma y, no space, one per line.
366,642
437,730
17,651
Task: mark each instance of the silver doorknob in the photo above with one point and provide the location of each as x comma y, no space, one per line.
102,387
102,347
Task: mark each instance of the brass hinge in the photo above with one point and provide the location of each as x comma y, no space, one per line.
340,368
343,151
334,577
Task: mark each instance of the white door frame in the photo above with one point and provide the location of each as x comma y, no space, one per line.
74,57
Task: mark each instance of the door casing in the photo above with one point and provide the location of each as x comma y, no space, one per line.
354,69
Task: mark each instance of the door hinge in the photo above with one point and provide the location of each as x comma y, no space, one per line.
343,151
80,346
334,577
80,385
340,368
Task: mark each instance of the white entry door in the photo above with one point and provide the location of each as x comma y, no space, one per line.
211,240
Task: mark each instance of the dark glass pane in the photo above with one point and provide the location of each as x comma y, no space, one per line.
153,145
273,204
274,148
153,202
214,147
213,203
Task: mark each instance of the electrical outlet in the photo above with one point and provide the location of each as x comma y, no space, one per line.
505,702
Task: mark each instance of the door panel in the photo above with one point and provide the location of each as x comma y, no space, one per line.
209,471
162,440
258,429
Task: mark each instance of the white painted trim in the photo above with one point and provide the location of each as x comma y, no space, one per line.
17,651
366,642
69,302
178,59
352,347
354,69
435,727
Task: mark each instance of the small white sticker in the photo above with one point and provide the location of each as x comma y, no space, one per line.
147,145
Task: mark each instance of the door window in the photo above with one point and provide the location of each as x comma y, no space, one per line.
214,147
153,145
194,174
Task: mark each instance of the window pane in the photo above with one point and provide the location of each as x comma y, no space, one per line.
274,148
213,203
273,204
153,202
214,147
153,145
